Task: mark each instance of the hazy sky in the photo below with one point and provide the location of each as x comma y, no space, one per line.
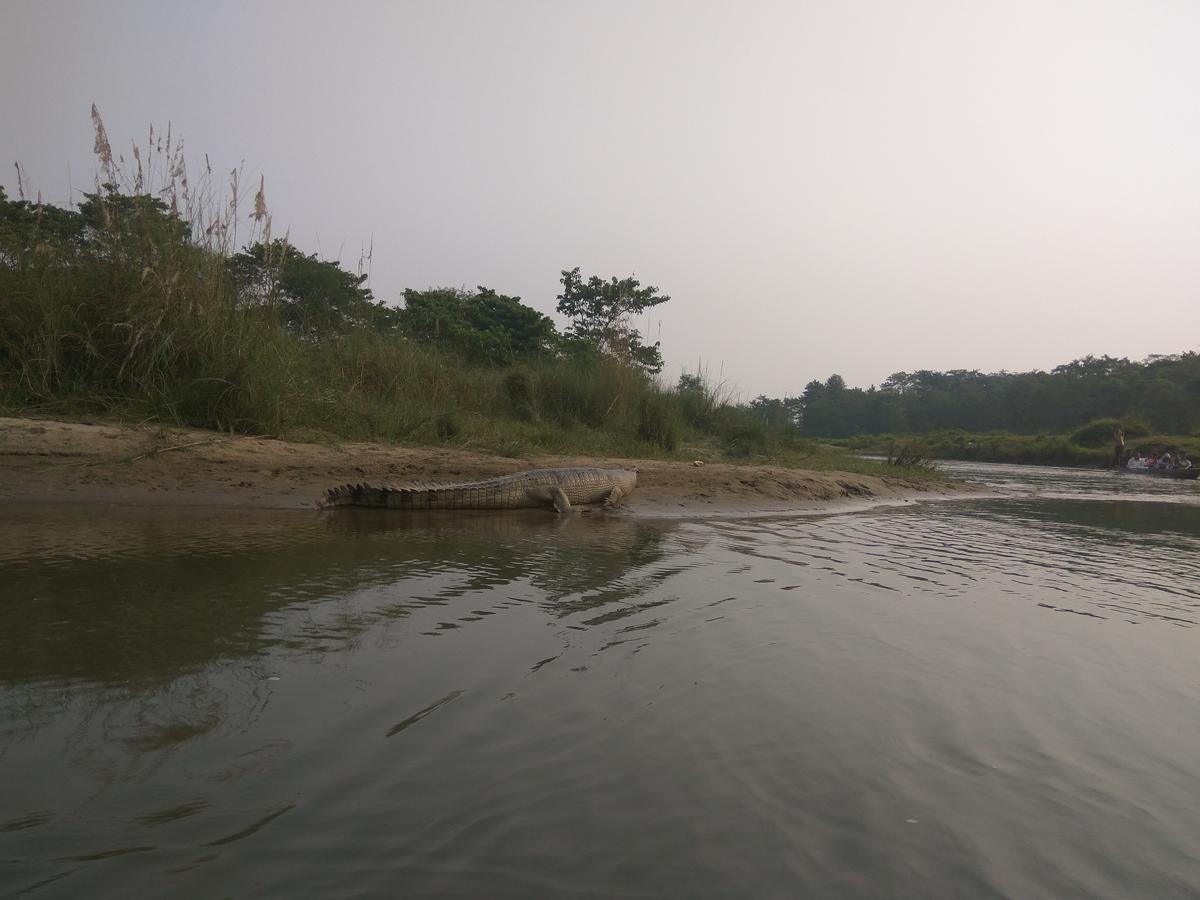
851,187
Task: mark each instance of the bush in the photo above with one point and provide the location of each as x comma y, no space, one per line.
1099,432
698,400
910,454
659,422
447,426
575,392
518,388
742,433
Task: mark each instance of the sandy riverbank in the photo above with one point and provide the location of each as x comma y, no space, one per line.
73,462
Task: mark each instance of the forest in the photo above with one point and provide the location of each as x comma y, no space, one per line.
1161,394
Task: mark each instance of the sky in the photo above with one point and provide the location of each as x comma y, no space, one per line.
850,187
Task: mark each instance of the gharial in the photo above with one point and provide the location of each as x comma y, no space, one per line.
559,488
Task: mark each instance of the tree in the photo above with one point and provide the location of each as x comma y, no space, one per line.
483,326
27,228
773,411
140,220
1163,390
134,232
1166,405
316,298
601,312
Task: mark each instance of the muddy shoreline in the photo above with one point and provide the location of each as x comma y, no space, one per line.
48,461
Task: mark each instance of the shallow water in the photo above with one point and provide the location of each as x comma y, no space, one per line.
994,697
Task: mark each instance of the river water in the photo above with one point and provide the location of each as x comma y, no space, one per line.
969,698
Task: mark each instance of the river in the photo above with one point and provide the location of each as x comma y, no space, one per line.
994,697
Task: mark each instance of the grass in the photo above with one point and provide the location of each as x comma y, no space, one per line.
126,309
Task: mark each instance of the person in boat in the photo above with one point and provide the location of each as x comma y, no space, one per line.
1165,461
1136,462
1182,461
1119,445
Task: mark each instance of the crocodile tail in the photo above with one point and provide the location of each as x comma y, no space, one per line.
379,496
342,495
355,495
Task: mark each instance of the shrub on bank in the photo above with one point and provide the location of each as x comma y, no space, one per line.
116,309
147,303
1099,432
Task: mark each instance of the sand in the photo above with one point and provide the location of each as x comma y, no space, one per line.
44,461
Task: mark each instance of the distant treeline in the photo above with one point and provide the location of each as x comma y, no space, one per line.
1160,394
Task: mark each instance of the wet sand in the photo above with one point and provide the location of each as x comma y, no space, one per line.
47,461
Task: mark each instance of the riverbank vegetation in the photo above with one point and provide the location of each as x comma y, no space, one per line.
1062,417
1005,447
1160,394
164,296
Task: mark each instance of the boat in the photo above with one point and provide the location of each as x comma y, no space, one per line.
1192,472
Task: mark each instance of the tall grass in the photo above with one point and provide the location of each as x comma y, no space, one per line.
124,304
127,307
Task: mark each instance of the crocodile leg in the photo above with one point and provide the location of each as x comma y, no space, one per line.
559,499
551,495
614,498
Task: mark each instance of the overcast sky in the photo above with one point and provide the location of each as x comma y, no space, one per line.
851,187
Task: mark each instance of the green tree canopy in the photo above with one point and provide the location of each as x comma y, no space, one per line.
27,227
483,326
1162,390
315,298
601,313
108,226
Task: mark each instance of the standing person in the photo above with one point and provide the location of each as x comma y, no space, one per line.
1119,445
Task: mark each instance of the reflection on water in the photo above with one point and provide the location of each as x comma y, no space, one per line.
168,592
974,698
1056,483
1133,559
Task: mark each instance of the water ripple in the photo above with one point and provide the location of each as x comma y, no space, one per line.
942,699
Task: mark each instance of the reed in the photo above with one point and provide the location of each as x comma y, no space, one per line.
133,306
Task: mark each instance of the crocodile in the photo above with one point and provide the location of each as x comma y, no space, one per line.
559,488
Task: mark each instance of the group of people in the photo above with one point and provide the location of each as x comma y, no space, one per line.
1135,460
1153,461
